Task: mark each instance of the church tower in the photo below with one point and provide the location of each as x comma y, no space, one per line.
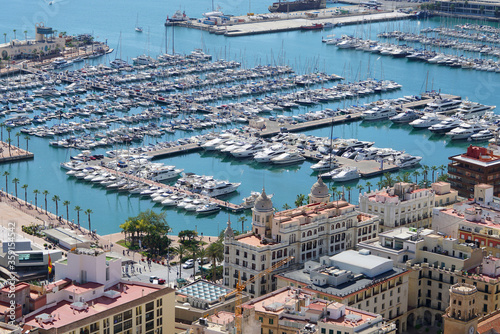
262,215
319,192
461,316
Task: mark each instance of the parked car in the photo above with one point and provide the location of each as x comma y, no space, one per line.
188,264
152,279
205,261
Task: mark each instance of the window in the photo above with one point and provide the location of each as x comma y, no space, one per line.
138,310
271,321
117,318
150,325
150,306
159,302
261,319
127,314
150,315
94,327
117,328
159,322
127,324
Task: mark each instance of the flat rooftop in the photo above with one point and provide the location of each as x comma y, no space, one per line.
352,319
66,235
65,315
341,290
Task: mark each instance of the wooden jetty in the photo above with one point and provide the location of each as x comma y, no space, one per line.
176,150
223,204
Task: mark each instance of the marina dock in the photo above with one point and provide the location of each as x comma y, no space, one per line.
13,154
223,204
279,22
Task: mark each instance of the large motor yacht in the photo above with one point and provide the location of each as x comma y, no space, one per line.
407,116
269,153
425,121
468,110
346,174
219,188
445,125
464,131
286,158
378,113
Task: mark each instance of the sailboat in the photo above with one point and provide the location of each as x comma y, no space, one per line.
137,28
119,63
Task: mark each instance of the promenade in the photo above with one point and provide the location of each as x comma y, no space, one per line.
13,153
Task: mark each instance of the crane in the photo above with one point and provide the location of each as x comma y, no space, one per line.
241,286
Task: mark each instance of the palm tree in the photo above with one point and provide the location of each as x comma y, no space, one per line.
25,35
2,125
416,174
88,212
27,138
56,199
45,193
15,181
215,251
425,173
300,200
180,250
9,130
5,37
348,189
242,220
78,209
389,181
380,184
339,196
360,188
407,177
18,134
14,33
6,174
66,204
433,169
9,141
442,168
25,187
369,185
36,192
286,206
195,252
334,191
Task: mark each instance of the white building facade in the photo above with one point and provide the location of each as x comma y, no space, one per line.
304,233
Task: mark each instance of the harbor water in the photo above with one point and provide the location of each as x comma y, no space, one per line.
106,20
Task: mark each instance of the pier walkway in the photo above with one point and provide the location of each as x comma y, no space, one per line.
223,204
243,25
13,153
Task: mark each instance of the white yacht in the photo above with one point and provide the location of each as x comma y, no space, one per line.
405,117
286,158
210,145
328,163
440,104
378,113
407,160
445,125
425,121
247,150
346,174
219,188
143,60
482,135
161,173
332,173
118,63
207,209
464,131
468,109
269,153
61,63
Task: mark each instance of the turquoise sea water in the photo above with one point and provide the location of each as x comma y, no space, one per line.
302,50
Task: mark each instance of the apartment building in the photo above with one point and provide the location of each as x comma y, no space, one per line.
304,233
290,310
88,296
476,221
356,279
405,204
477,165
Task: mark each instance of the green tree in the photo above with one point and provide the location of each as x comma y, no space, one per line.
368,185
45,194
78,210
242,220
18,135
388,180
27,138
6,174
425,173
215,251
9,130
348,189
25,187
433,169
36,192
88,212
180,250
15,181
195,251
300,200
286,206
360,188
56,199
442,168
9,141
66,204
416,174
